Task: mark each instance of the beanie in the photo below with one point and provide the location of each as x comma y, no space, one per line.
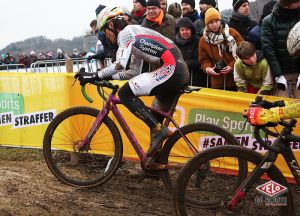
208,2
142,2
211,14
237,4
185,22
190,2
99,9
155,3
284,3
174,9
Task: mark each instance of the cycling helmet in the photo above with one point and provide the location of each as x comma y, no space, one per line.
293,40
107,14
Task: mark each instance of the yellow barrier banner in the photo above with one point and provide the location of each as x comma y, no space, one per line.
28,103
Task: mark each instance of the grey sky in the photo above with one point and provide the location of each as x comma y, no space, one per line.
22,19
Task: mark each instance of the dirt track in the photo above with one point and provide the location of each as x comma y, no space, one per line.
28,188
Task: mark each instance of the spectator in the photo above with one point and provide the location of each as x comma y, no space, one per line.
251,71
255,32
11,59
41,56
217,50
163,5
199,24
23,59
158,21
187,41
32,57
240,19
139,10
49,55
128,19
188,10
60,54
75,53
293,41
175,10
274,32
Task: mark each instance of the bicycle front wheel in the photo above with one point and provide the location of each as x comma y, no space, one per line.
210,193
89,167
177,151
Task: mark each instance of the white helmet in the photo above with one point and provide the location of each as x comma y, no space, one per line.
293,40
106,14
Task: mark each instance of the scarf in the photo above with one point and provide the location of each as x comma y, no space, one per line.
139,13
158,19
218,39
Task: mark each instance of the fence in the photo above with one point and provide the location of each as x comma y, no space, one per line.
52,66
14,67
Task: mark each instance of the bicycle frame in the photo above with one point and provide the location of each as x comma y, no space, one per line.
283,147
111,105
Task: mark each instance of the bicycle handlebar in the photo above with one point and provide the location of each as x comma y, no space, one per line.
288,125
267,104
100,85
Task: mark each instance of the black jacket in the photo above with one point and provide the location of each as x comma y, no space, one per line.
243,24
274,33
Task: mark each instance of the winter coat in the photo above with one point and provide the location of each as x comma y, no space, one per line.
274,32
257,75
167,27
207,52
243,24
189,52
193,16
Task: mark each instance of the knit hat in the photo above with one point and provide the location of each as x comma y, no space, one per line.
212,14
190,2
237,4
142,2
174,9
284,3
99,9
185,22
208,2
155,3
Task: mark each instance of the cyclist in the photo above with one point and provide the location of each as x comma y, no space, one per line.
259,116
142,44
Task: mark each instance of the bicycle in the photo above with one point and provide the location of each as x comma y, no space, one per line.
194,196
83,147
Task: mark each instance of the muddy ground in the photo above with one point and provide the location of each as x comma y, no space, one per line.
28,188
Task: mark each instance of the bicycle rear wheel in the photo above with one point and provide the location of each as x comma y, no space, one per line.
92,166
176,151
209,193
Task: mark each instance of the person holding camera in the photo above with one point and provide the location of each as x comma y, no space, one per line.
251,71
217,51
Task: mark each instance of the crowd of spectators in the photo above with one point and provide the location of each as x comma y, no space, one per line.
235,53
26,59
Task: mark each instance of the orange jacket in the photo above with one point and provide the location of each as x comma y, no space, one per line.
206,59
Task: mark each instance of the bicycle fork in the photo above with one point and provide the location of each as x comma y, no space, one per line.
258,172
85,145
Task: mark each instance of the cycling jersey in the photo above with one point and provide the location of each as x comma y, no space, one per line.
144,44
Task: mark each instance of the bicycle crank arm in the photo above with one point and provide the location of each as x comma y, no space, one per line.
238,196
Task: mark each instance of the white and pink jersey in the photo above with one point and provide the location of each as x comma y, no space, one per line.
143,44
